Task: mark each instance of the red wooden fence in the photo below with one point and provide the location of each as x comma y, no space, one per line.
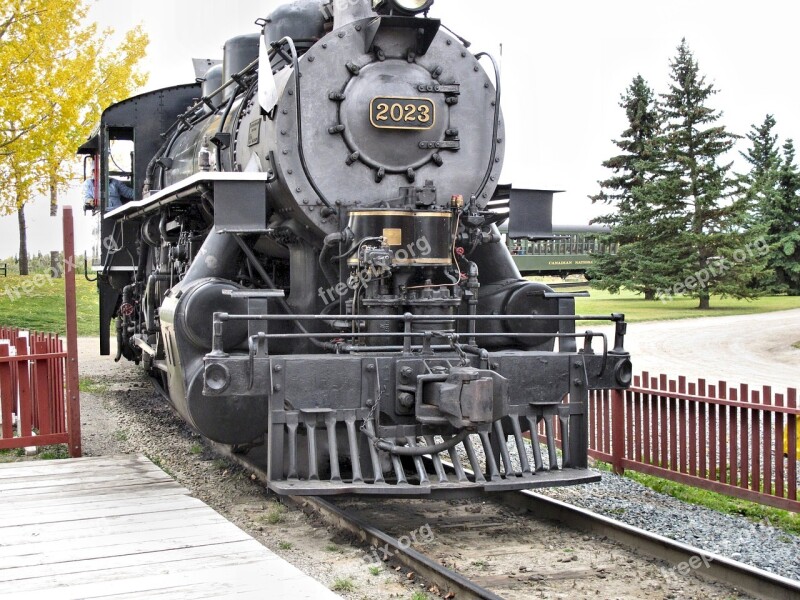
32,389
729,439
39,379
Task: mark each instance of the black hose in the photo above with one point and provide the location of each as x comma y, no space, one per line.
498,95
391,448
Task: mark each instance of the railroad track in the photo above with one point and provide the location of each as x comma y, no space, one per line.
526,512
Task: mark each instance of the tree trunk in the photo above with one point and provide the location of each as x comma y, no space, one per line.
55,263
53,197
23,241
649,294
705,301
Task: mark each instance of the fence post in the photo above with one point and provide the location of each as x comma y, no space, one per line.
618,430
71,371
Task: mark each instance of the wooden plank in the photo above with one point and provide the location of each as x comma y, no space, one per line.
33,483
79,550
206,555
99,488
111,509
80,497
68,530
75,465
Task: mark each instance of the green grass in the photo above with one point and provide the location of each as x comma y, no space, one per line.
797,345
343,584
92,386
636,308
333,548
274,515
782,519
37,302
420,596
285,545
375,571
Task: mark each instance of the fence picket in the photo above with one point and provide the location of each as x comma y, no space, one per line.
791,428
6,394
24,389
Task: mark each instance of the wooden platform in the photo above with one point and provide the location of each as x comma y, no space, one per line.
121,528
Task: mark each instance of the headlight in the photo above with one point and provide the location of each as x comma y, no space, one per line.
413,6
408,7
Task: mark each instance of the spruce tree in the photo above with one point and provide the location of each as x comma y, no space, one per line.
631,223
695,144
760,188
782,223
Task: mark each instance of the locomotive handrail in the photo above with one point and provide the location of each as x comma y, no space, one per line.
616,318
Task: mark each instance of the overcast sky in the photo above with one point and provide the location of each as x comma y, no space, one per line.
565,65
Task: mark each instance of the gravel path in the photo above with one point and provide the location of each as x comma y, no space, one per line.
753,349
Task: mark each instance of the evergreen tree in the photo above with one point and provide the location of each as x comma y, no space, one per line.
760,189
632,231
782,224
702,190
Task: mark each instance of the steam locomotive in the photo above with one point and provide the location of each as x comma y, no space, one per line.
311,268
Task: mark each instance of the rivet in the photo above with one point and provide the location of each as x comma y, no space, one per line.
358,27
285,111
283,132
324,46
485,195
290,171
298,189
463,55
291,92
497,160
486,85
449,42
341,34
277,387
285,152
370,367
310,59
278,368
476,68
305,200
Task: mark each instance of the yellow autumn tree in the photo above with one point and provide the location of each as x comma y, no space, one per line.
60,73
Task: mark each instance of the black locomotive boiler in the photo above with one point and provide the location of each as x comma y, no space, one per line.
311,267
